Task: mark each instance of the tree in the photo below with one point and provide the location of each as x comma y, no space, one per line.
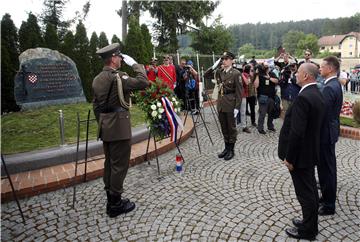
53,14
148,46
95,61
9,63
134,44
212,39
174,17
247,49
291,39
103,41
309,42
81,58
30,34
51,38
67,47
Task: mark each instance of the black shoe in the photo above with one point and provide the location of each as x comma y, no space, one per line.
262,131
246,130
119,206
222,154
294,233
272,129
254,124
229,155
324,211
297,222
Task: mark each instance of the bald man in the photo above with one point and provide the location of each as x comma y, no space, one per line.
299,149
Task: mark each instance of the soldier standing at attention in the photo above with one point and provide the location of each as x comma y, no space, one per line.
229,101
112,90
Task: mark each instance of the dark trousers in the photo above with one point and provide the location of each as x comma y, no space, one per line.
307,195
264,109
228,126
252,101
117,156
327,175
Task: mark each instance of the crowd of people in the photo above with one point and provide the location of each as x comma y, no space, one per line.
311,97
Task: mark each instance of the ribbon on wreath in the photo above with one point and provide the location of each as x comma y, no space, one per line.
174,120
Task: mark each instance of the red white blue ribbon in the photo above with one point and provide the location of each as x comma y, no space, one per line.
174,120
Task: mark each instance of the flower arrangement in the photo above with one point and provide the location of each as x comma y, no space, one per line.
161,106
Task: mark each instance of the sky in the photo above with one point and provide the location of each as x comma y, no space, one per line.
103,16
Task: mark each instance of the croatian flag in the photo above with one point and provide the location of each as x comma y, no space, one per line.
174,120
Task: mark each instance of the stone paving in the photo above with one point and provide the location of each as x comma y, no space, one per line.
249,198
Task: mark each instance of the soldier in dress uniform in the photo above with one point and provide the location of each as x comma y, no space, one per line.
112,90
229,100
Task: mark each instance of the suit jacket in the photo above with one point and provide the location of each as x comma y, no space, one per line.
115,125
299,140
333,96
230,93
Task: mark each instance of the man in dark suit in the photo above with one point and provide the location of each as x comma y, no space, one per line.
299,148
330,131
112,90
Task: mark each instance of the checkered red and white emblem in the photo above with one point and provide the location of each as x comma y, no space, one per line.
32,78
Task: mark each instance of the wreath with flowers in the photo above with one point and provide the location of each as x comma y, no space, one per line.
162,108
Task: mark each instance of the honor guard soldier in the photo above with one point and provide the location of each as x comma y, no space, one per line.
112,90
229,100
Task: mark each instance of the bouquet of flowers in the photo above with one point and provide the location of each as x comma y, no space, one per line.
162,108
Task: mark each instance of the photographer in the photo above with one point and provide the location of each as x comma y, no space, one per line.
265,82
151,70
288,86
180,89
191,78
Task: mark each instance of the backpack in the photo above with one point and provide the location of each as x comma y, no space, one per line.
277,109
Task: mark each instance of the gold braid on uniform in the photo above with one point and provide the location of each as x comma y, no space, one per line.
121,92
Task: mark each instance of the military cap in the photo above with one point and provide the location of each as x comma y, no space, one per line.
109,51
228,54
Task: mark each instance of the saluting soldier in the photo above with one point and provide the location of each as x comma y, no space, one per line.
229,101
112,90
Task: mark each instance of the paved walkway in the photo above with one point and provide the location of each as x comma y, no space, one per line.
249,198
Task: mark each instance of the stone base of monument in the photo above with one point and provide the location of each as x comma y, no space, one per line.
36,105
63,154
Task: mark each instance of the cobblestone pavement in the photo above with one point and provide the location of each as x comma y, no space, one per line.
249,198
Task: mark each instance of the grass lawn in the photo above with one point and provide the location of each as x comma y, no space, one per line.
39,129
349,122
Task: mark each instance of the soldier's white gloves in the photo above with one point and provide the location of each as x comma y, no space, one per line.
213,81
216,64
128,60
236,111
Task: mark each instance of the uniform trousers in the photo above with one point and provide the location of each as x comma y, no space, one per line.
327,175
228,126
307,195
117,156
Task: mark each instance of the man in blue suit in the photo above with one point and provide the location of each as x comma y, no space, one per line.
299,148
330,131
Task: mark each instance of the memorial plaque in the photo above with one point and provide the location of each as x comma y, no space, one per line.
46,77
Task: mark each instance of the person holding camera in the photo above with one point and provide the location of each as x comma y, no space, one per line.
265,82
152,70
191,79
229,100
289,87
112,90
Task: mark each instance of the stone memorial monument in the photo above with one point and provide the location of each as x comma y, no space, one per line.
46,77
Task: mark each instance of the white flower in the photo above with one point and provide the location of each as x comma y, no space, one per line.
153,107
159,116
176,103
158,104
161,110
173,99
154,113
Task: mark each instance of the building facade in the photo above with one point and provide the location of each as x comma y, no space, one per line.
346,46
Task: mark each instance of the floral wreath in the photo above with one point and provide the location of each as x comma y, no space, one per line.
162,108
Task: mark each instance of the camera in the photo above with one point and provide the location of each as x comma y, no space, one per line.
260,69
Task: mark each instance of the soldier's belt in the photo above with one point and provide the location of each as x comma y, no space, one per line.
228,92
114,110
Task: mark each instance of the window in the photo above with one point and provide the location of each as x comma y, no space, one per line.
322,48
350,53
339,47
350,45
331,47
